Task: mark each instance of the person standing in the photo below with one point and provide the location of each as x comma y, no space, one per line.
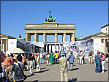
77,57
41,58
18,70
71,61
56,57
81,57
31,61
98,62
35,60
90,57
67,55
51,57
63,66
24,61
48,58
103,62
38,63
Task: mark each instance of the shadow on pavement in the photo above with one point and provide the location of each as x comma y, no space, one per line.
30,75
105,70
72,80
74,65
76,69
35,81
42,71
43,68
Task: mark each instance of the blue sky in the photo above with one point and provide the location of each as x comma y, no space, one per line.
88,16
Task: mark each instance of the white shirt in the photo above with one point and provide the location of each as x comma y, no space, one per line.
41,55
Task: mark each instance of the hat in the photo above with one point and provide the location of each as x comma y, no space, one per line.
7,61
62,53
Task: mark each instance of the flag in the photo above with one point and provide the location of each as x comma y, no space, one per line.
19,36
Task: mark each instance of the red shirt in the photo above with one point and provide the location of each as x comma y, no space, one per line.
103,57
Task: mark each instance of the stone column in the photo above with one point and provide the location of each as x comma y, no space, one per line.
44,37
72,37
3,47
56,37
36,37
64,37
28,37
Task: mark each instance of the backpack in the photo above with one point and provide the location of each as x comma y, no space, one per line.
18,72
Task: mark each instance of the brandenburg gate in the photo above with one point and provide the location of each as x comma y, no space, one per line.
50,27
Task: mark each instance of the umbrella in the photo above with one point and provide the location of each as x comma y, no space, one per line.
14,50
2,56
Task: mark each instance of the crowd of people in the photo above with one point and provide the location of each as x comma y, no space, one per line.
16,63
100,59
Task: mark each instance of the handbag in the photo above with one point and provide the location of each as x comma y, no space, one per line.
25,77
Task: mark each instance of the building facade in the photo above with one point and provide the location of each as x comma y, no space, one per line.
101,41
4,41
105,29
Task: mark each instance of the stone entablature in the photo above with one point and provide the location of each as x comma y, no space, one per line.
47,28
50,31
50,24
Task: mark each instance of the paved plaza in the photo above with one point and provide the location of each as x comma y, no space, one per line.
85,72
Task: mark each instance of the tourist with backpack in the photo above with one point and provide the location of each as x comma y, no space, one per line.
18,70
